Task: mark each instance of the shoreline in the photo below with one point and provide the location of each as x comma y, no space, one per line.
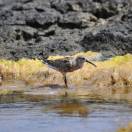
111,80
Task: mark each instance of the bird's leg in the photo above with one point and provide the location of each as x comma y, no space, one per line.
66,86
65,80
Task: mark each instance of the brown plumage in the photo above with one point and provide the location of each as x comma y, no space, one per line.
68,64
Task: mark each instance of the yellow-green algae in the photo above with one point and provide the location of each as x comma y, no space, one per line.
126,129
10,92
5,92
111,79
19,69
69,108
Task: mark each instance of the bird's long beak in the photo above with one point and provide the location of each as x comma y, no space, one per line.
91,63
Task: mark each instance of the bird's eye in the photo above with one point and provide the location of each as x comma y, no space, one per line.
82,58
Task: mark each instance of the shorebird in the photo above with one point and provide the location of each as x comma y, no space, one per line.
67,64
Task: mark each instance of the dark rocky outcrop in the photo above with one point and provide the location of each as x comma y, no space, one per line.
34,28
116,37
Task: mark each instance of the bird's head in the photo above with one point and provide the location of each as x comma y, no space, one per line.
82,59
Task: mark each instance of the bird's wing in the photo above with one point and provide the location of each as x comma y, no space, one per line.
59,64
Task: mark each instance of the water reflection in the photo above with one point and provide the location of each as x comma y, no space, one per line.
69,108
13,98
60,115
61,106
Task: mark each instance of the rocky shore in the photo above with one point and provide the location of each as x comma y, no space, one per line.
33,28
109,81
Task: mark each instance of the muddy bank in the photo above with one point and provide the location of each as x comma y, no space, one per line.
30,28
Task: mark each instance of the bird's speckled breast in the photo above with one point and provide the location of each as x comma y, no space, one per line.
72,68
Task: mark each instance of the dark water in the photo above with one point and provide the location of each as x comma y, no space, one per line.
62,115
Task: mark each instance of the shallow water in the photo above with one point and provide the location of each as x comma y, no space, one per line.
62,115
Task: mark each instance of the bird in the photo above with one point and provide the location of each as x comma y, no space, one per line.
67,64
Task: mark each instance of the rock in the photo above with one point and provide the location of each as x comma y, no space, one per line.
115,39
76,20
30,28
106,41
43,20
